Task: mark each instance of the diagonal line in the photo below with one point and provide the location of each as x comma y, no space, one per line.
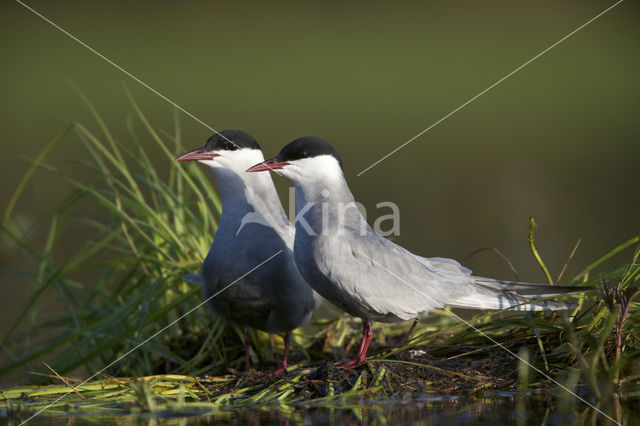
154,335
495,341
100,55
491,87
374,164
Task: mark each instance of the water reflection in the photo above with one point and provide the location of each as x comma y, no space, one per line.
501,408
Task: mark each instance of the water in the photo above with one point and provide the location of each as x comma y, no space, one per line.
496,408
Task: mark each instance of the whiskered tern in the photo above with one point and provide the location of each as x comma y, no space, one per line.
253,227
367,275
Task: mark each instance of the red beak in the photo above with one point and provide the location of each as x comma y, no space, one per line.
197,155
270,164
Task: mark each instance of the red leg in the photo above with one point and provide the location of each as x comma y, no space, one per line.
247,355
283,369
367,335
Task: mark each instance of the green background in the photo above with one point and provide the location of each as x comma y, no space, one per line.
558,140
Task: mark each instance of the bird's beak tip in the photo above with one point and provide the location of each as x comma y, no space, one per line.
270,164
197,155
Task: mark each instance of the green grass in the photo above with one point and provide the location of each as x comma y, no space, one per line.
149,228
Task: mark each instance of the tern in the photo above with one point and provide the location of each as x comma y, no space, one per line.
368,276
253,228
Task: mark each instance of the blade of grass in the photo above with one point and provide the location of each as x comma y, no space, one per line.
534,251
30,171
606,257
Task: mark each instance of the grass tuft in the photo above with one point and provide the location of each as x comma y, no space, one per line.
149,227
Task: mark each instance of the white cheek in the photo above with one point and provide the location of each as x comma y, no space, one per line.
211,163
242,159
289,172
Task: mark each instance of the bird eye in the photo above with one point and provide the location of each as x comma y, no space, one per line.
230,146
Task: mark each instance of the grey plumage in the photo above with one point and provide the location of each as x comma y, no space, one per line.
253,227
369,276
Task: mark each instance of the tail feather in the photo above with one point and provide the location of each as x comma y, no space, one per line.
528,289
512,302
513,295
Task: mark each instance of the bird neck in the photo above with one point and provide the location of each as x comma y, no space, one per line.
243,193
325,206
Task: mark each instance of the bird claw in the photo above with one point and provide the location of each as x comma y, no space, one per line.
279,372
349,365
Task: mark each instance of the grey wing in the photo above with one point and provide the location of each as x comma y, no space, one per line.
488,293
394,282
445,265
387,280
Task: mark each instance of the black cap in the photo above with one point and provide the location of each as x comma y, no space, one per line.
308,147
231,140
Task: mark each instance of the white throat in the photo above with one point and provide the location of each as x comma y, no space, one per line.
323,197
248,196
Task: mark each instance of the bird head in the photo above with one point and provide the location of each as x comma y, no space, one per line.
229,149
305,160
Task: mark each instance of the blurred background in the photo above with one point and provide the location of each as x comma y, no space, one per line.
557,141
